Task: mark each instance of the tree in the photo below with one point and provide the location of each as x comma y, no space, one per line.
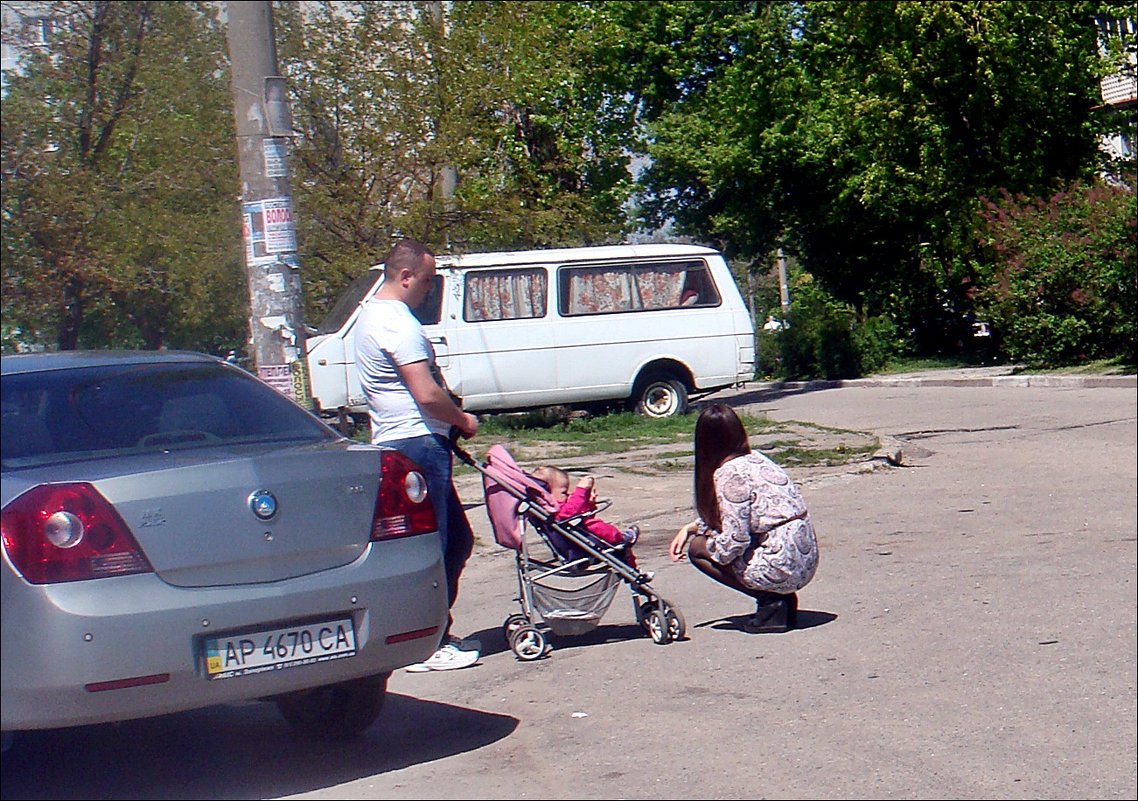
391,98
864,133
118,174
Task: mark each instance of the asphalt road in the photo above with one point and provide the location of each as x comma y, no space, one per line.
971,633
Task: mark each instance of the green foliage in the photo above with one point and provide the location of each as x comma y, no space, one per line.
1062,285
468,125
119,172
858,136
824,339
861,134
818,339
876,342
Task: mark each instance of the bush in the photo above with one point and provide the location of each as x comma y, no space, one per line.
876,342
817,341
1061,283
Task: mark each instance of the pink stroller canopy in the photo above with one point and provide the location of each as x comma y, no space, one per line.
506,485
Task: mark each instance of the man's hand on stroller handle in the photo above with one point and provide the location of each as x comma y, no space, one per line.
466,429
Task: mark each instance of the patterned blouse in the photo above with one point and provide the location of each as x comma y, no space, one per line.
767,537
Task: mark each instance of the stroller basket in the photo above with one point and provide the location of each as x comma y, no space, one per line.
569,592
573,611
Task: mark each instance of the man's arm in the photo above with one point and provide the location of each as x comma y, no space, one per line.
433,399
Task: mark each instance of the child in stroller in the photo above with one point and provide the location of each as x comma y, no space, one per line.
583,501
567,577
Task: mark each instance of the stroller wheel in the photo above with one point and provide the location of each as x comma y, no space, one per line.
642,613
676,626
512,624
528,643
657,628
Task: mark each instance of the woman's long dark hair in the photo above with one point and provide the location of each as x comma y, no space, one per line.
719,436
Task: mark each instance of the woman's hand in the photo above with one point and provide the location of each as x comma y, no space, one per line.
680,541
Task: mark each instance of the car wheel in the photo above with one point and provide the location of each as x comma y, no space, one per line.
660,396
335,710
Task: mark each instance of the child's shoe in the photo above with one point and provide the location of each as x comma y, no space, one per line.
631,535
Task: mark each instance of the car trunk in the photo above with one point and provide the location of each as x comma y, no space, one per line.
195,523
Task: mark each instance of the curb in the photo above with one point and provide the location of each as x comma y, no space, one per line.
1053,381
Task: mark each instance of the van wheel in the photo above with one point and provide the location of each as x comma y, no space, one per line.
660,396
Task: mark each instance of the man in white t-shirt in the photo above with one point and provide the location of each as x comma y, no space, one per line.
413,412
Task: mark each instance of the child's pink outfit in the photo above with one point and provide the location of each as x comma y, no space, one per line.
579,503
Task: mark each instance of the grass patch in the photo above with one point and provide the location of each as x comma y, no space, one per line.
811,457
1115,366
617,432
550,437
904,364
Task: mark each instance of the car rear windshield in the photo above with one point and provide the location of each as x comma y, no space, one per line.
91,412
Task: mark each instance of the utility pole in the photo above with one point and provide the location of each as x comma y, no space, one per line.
264,126
448,180
783,286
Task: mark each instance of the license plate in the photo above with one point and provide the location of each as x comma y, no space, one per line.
293,646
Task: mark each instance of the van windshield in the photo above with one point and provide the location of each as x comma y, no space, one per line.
347,302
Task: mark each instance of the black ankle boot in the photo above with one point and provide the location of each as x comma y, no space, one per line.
774,614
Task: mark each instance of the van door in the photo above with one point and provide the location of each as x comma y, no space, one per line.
498,337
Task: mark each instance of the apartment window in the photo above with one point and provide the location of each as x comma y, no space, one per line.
38,31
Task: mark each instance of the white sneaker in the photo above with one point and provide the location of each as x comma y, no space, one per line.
448,657
463,645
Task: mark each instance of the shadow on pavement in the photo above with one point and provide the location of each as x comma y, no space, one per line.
238,751
807,619
494,641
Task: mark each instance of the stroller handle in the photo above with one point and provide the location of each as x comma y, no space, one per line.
457,449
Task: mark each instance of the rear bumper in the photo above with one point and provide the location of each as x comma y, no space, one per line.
59,639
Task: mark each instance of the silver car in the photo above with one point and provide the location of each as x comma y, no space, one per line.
178,534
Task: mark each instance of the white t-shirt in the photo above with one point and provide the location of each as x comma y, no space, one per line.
389,325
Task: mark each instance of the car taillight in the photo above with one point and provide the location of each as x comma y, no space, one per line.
403,507
68,532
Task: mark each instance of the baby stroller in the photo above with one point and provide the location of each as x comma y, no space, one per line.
567,578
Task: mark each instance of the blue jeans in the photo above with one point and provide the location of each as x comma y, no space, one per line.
433,455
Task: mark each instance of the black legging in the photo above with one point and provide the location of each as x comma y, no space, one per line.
699,557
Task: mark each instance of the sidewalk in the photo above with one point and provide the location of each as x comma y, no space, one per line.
1002,376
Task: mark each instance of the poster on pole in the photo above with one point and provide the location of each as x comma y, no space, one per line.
269,228
277,376
275,151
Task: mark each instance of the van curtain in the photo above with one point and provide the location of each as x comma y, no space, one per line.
595,291
513,295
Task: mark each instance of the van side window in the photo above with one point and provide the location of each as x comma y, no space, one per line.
505,294
603,289
698,288
430,311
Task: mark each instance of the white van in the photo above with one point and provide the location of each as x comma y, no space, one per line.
650,325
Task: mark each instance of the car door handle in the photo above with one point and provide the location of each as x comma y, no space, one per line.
438,340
